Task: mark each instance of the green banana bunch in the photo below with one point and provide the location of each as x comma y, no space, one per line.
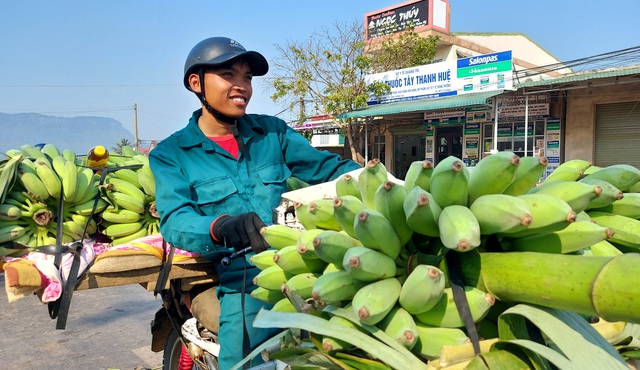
493,174
501,214
389,201
347,185
264,259
445,313
335,287
372,176
422,289
449,182
375,300
419,174
301,284
422,212
432,339
609,193
272,277
527,175
305,242
267,295
31,182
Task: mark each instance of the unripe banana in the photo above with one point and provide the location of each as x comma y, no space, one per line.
69,180
548,214
374,231
31,151
33,185
320,213
370,179
422,212
459,228
305,243
445,312
302,215
367,264
492,174
118,230
578,194
564,174
335,287
263,259
9,212
301,284
86,207
69,154
267,295
375,300
84,183
272,277
48,176
147,182
333,344
604,248
449,182
422,289
347,185
622,176
389,200
330,246
634,188
127,201
51,150
128,175
123,186
291,261
11,232
345,210
87,223
120,215
332,267
283,305
626,229
400,325
579,164
501,213
628,206
279,236
432,339
609,193
419,174
570,239
527,175
57,163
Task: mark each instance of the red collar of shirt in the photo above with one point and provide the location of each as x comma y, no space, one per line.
228,143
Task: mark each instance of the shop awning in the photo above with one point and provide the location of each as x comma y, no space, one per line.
456,101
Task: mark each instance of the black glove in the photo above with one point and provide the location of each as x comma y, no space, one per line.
241,231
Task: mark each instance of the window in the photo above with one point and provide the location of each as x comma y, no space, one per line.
511,136
377,148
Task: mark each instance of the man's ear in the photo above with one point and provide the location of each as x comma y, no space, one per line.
194,83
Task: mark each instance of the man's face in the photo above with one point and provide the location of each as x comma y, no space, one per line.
228,90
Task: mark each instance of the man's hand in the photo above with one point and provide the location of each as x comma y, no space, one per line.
241,231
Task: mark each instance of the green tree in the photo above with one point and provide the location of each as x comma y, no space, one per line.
326,73
119,145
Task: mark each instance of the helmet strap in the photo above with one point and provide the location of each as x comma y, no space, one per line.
219,116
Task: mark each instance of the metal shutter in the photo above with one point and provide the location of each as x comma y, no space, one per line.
617,137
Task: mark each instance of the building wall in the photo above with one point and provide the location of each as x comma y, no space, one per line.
580,121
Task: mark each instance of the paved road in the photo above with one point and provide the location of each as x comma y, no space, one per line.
107,328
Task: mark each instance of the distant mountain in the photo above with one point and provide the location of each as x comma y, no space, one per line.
76,133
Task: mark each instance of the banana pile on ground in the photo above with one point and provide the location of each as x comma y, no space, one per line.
373,260
34,181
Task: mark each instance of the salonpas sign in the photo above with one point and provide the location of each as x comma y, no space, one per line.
479,73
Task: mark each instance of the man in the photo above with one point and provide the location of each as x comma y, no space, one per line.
220,177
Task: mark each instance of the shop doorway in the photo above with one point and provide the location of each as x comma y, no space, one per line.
449,139
407,149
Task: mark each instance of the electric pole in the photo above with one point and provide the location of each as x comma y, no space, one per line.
135,125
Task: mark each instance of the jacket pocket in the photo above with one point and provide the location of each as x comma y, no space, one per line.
212,194
274,173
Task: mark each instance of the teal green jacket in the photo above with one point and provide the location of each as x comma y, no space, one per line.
197,180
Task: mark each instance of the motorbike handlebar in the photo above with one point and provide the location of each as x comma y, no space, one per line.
226,261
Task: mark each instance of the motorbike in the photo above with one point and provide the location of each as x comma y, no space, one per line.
186,343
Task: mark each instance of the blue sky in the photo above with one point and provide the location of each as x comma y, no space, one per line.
89,57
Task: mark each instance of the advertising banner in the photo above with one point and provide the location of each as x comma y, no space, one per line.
489,72
397,20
